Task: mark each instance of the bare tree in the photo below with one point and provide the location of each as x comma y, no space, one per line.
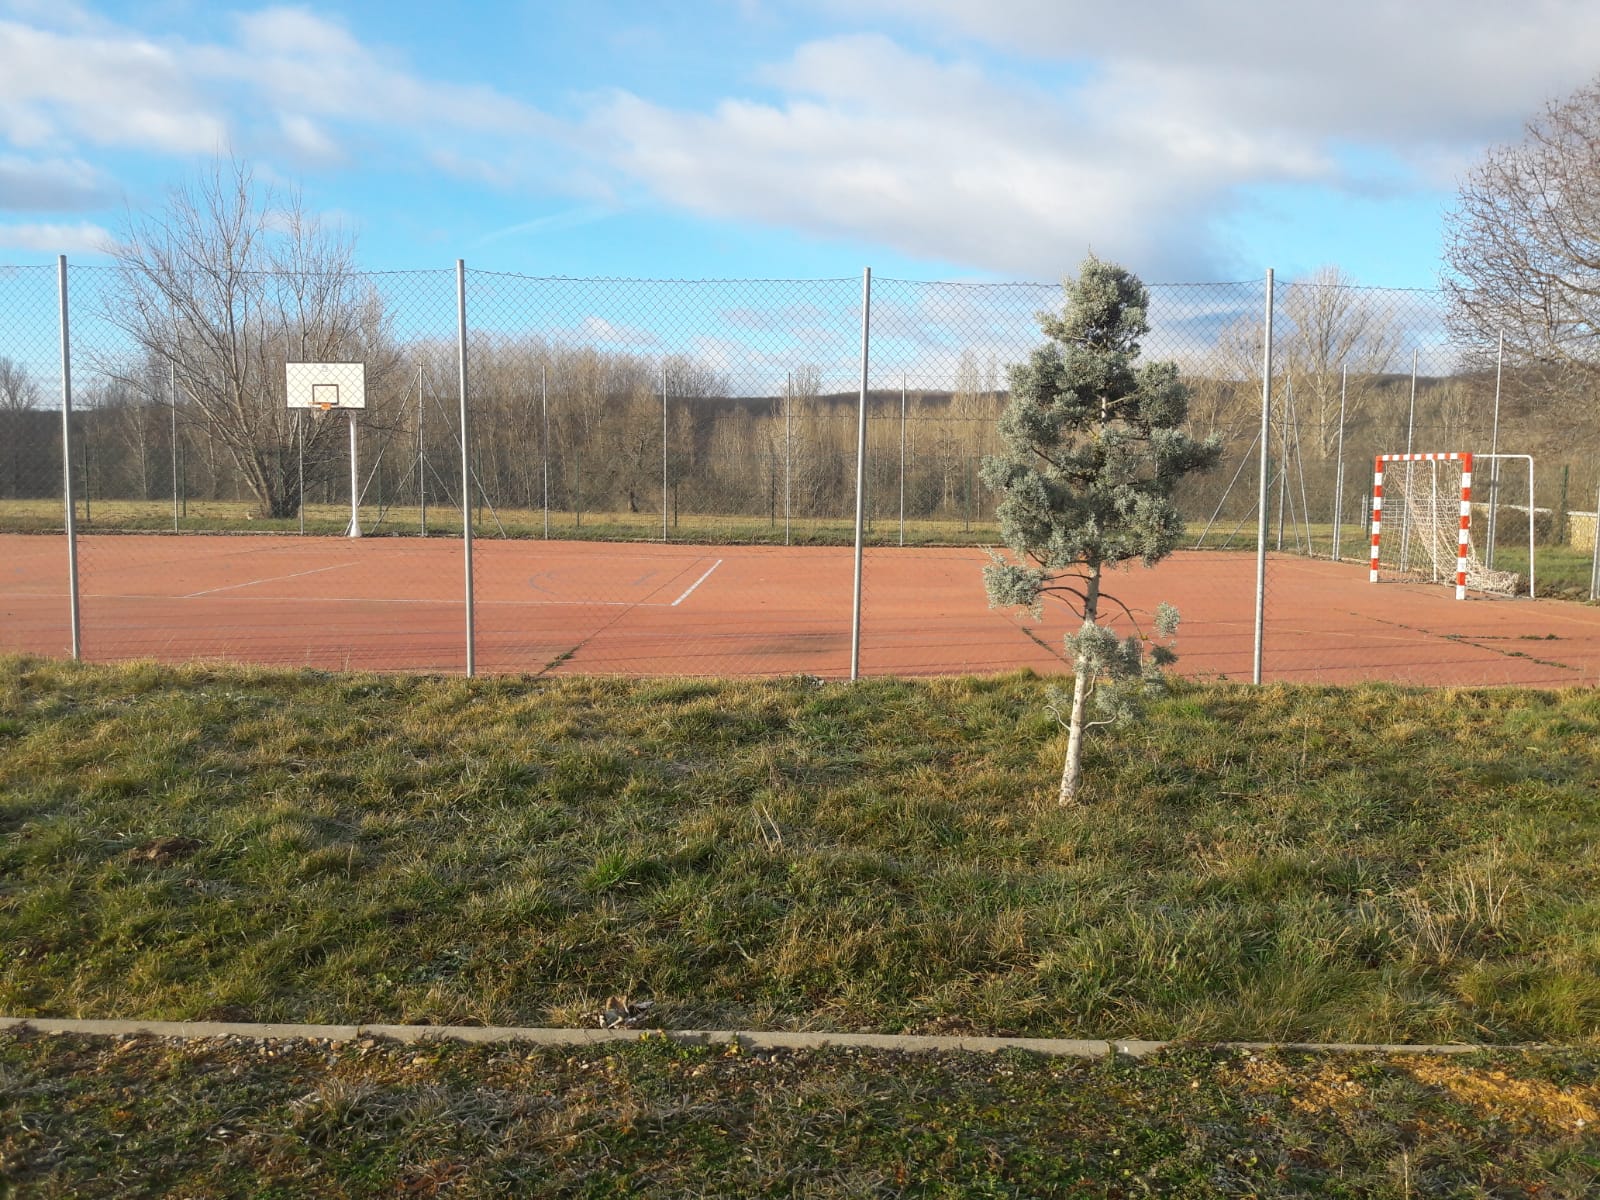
1333,328
18,391
225,284
19,395
1523,242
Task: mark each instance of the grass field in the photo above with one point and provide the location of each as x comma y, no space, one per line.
1365,864
138,1117
226,516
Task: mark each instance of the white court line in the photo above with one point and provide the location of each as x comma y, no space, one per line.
270,579
696,583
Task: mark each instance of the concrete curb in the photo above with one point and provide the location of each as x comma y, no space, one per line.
748,1039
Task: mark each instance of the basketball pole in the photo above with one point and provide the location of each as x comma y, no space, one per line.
355,483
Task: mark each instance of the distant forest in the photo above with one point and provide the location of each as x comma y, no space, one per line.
582,430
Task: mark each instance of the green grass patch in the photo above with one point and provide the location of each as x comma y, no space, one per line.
230,516
1365,864
86,1117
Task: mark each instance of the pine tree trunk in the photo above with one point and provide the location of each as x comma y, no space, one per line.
1072,769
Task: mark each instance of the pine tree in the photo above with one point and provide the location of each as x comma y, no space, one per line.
1095,448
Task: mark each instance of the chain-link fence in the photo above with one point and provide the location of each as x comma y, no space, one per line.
661,477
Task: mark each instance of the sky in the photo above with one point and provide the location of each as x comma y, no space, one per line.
971,140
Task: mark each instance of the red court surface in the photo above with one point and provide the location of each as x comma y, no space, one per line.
396,604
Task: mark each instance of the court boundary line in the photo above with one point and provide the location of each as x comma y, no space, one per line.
696,584
229,587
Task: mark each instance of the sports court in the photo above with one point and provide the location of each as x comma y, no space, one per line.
397,604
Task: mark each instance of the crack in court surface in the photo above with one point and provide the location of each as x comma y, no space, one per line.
624,608
1476,642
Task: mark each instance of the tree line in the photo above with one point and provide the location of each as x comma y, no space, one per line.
581,430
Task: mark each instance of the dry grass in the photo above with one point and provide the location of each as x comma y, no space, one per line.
87,1117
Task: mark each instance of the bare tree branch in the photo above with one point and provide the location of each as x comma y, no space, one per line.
224,285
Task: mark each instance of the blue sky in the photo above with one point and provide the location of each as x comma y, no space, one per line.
934,139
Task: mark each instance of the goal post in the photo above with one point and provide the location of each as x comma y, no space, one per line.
1422,507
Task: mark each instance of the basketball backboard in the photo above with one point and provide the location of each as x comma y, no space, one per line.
325,386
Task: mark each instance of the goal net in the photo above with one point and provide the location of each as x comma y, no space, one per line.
1422,524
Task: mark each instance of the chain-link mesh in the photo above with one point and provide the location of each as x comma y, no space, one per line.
1360,372
661,476
216,522
33,544
940,359
644,451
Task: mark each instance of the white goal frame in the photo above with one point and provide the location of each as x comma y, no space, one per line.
1464,551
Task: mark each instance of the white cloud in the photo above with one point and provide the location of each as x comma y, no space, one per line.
570,218
1421,71
308,139
79,238
305,80
102,89
1131,137
940,161
302,60
602,331
57,185
1006,135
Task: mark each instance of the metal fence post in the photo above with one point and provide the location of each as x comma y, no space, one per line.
66,461
544,446
466,461
1338,474
902,459
788,456
172,398
422,462
1494,451
1594,554
1261,501
663,451
861,472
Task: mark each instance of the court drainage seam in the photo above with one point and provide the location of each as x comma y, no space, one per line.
745,1039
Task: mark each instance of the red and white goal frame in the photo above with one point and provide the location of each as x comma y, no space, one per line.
1432,517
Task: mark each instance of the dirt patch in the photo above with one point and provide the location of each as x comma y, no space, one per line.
164,851
1523,1103
1310,1087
